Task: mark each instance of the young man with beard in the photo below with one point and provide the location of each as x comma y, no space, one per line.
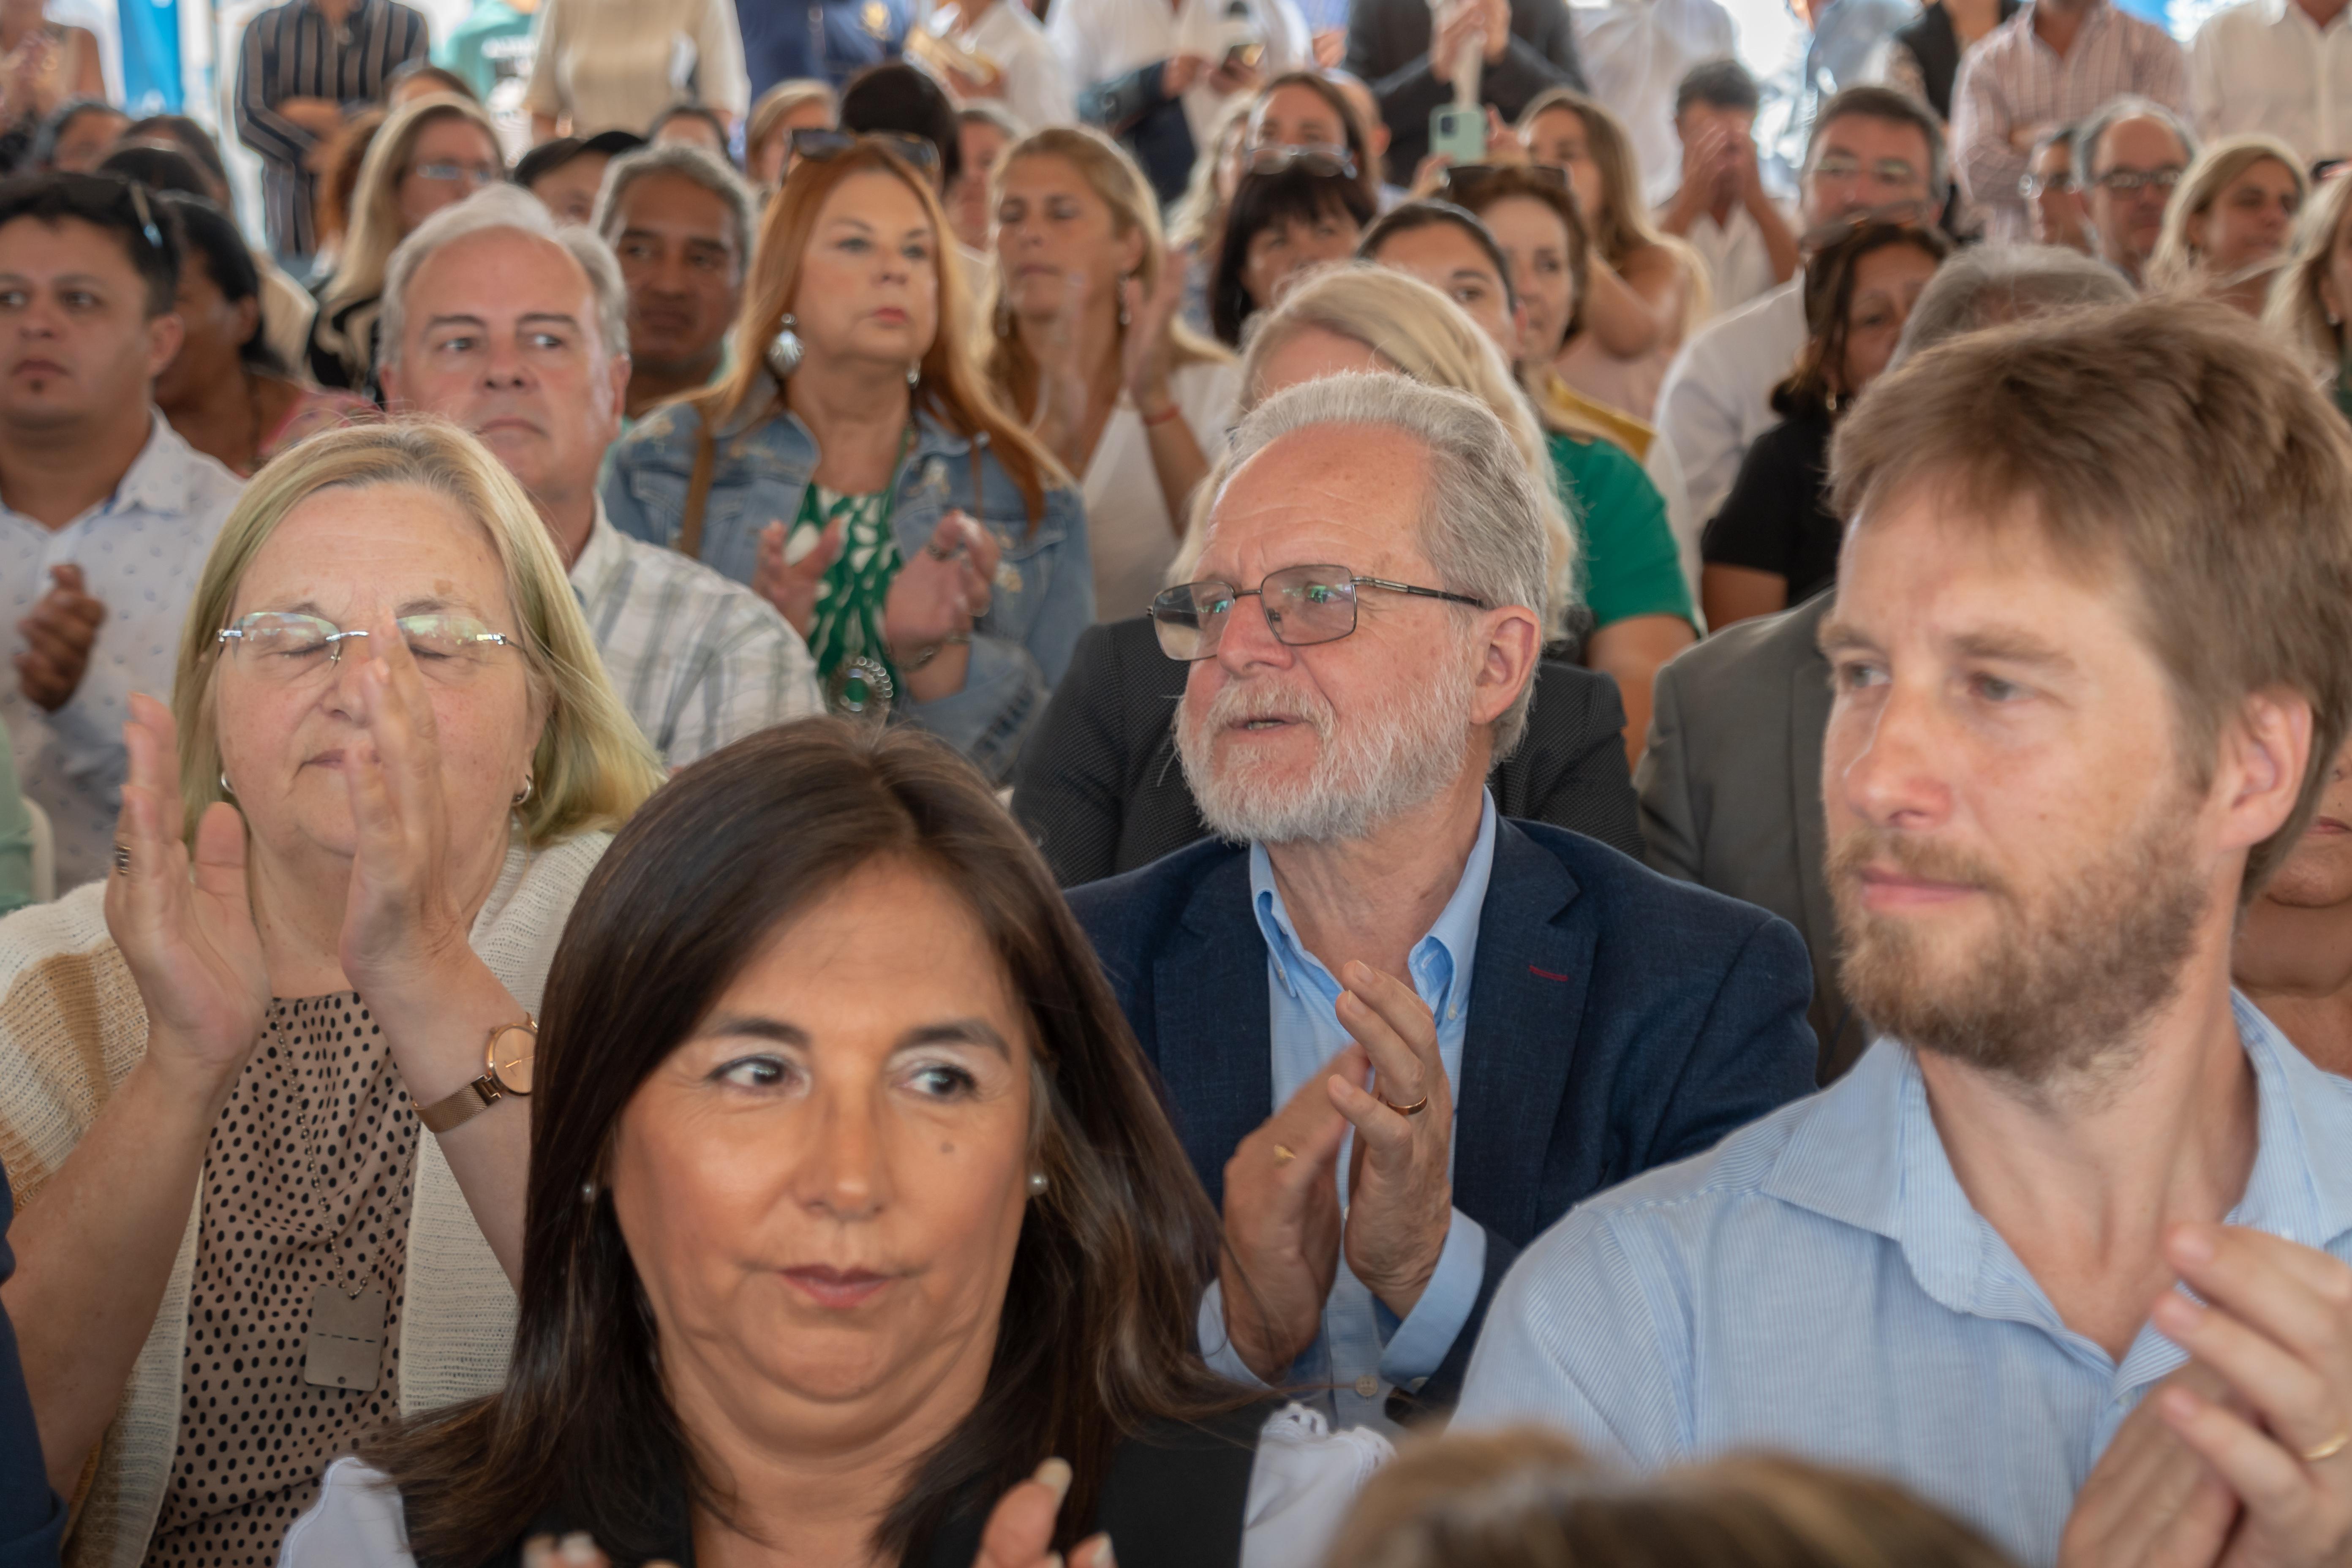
2062,1252
1398,1033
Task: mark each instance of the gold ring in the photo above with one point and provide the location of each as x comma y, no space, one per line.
1283,1155
2329,1449
1415,1108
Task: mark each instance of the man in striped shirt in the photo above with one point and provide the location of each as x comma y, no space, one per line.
2056,62
497,320
301,68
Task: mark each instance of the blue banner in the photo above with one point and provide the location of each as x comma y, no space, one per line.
151,55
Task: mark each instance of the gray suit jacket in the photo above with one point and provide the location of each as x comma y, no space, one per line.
1732,789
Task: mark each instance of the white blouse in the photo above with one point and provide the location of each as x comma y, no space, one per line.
1129,532
618,63
1301,1484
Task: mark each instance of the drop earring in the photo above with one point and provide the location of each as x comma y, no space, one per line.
785,350
1036,1183
1122,299
914,375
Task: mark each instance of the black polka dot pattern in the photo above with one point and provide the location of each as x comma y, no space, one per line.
320,1094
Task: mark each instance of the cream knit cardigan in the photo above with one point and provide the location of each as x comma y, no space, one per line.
73,1027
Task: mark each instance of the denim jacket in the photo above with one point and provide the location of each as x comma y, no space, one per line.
1044,592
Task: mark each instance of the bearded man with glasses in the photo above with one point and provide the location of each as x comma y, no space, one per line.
1400,1034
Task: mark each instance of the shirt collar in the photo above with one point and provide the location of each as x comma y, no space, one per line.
157,481
1869,1156
601,556
1441,960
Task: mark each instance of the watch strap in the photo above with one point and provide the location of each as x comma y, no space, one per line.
454,1110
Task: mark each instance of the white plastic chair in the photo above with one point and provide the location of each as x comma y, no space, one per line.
45,853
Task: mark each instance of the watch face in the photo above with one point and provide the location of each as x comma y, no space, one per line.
511,1056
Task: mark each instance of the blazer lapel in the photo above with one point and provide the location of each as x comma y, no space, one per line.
1527,1007
1214,1022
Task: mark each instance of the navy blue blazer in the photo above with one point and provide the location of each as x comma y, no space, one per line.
1618,1020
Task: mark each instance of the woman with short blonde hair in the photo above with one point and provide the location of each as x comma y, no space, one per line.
345,853
2227,228
432,153
789,106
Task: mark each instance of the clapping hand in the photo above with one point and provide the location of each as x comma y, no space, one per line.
943,589
791,586
1180,72
1399,1192
188,940
2150,1502
1149,348
1020,1533
59,635
1281,1225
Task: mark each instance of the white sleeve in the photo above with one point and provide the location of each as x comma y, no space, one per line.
1666,470
355,1523
726,84
1301,1486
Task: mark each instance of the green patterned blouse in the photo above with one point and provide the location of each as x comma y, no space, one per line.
844,636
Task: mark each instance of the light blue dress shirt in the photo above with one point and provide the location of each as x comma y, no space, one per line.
1365,1350
1820,1283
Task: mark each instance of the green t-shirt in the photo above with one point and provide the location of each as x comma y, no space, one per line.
1630,565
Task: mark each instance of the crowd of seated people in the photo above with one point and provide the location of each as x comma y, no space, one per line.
1242,784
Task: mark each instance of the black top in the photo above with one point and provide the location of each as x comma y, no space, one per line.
1777,517
1175,1497
1933,42
1100,790
1387,47
32,1520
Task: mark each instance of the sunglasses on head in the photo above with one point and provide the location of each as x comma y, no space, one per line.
820,145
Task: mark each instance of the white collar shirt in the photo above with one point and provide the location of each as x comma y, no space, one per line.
2265,66
1036,83
140,551
1718,393
1634,54
1739,262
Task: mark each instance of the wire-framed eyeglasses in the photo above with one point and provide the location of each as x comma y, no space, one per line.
287,644
1304,605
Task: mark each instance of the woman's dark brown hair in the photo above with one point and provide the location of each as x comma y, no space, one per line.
1352,124
1500,183
1524,1498
1097,1327
1830,275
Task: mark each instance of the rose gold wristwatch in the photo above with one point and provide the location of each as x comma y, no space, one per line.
506,1071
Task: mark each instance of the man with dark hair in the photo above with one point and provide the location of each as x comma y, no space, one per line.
105,512
2053,63
1721,208
566,171
2065,1252
2053,197
1874,151
682,224
694,125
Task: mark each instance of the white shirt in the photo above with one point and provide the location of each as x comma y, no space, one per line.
616,64
699,660
139,550
1634,54
1036,83
1101,40
1301,1483
1717,399
1738,263
2266,65
1129,532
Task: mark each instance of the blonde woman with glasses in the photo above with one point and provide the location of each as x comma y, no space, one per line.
264,1099
432,153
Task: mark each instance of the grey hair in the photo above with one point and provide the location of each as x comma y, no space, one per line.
1989,285
2114,112
1481,514
487,211
689,162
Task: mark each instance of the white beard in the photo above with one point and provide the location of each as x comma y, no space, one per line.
1374,767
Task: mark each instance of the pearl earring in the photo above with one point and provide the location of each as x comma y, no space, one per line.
914,375
785,350
1036,1183
588,1192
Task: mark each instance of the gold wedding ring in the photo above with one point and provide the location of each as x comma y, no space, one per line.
1283,1155
1415,1108
2329,1449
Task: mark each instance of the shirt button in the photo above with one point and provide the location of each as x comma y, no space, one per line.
1368,1387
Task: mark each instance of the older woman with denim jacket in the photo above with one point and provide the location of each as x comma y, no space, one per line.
854,469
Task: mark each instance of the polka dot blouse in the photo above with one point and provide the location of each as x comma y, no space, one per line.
307,1180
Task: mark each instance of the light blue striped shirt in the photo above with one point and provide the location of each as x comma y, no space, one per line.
1819,1283
1365,1350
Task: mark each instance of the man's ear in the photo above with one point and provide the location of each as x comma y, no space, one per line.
2266,758
165,334
387,375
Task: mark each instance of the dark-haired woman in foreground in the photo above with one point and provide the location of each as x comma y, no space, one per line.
827,1249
